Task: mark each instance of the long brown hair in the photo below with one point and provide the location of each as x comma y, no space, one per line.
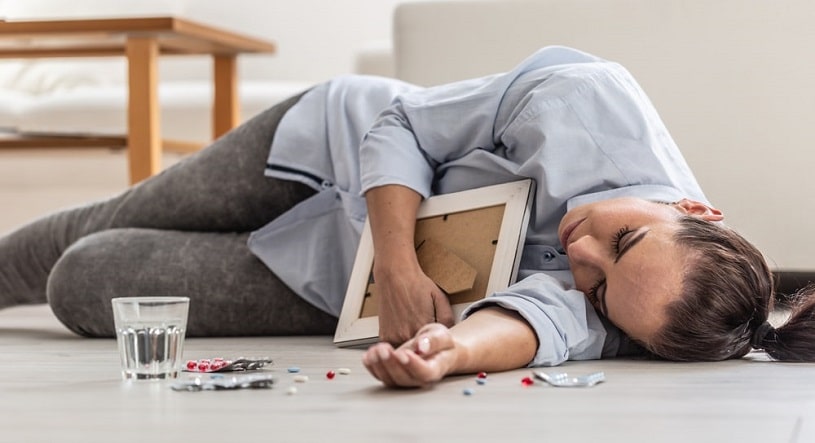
727,298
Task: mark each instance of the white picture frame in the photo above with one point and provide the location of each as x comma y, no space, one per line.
467,207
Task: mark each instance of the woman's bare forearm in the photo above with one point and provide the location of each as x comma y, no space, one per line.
392,214
493,339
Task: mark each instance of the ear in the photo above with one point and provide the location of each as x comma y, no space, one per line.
699,209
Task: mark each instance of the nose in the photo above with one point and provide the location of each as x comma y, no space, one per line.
586,250
587,258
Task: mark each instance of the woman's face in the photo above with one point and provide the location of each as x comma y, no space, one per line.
623,256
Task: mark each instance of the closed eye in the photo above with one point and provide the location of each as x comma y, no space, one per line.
597,296
617,238
624,244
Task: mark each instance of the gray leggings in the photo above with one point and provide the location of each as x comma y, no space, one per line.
181,233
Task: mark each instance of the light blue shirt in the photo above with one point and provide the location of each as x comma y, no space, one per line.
580,126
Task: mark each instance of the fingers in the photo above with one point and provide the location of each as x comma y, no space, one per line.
393,337
375,359
399,367
444,312
380,360
401,315
431,339
419,362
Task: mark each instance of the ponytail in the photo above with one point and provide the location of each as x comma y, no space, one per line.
795,340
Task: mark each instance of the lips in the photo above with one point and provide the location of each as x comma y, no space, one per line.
567,233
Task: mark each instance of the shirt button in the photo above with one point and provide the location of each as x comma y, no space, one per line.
548,256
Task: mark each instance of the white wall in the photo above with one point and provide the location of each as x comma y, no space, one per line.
317,39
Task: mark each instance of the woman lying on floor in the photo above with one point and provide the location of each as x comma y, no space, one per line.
623,252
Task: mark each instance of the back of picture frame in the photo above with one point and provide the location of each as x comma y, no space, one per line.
468,242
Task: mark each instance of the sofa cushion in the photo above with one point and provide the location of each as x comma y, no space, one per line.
186,109
48,76
12,105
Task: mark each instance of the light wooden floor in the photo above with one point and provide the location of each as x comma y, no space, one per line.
56,387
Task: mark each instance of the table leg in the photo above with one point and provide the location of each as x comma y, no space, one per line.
143,122
226,106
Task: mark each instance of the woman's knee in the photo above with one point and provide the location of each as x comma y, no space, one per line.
78,288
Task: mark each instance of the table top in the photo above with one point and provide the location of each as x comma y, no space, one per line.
108,36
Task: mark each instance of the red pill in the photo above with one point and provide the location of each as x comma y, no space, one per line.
217,364
330,375
192,365
481,374
527,381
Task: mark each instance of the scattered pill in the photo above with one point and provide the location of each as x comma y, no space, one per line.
293,370
292,390
481,381
192,365
343,371
527,381
467,391
481,375
330,375
301,378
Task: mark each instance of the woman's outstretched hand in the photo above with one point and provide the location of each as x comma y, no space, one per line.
423,360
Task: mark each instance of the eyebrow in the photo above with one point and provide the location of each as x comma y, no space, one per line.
629,244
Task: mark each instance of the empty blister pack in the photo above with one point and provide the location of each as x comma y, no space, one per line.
212,383
563,379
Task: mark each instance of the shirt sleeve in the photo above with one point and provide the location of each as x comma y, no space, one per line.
424,129
566,326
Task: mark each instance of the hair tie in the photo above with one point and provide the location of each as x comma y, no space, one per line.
760,334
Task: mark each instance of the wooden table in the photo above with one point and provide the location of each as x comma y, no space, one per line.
142,41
